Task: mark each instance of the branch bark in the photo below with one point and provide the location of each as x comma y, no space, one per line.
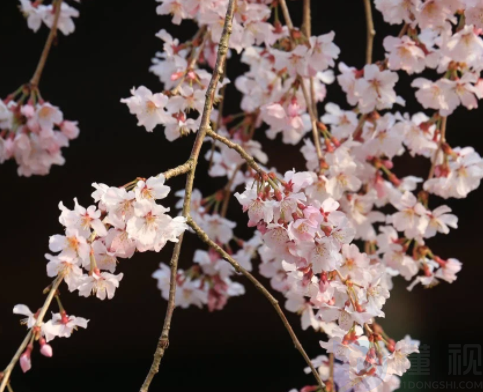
442,140
204,237
310,104
34,82
163,341
240,150
177,171
370,32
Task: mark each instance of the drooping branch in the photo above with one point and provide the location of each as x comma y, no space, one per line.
193,161
370,32
227,192
307,30
308,102
286,14
34,82
5,375
195,55
219,121
179,170
313,118
442,140
247,157
273,301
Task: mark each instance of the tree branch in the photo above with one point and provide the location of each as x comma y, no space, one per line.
204,237
310,104
195,152
34,82
370,32
227,191
247,157
177,171
286,14
313,119
442,140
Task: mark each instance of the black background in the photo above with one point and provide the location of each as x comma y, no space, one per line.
244,347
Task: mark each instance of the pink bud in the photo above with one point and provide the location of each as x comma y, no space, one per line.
176,75
191,75
388,164
46,350
25,362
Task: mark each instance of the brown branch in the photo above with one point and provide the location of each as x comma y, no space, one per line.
227,192
286,14
310,104
195,55
177,171
5,375
307,23
331,370
442,140
307,30
313,120
195,152
204,237
247,157
219,120
34,82
370,32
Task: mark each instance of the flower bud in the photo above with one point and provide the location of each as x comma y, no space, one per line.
25,362
46,350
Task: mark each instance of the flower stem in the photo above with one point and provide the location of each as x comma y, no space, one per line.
34,82
370,32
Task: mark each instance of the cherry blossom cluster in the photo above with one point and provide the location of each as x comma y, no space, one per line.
444,36
33,134
308,255
37,13
123,221
209,281
60,326
178,108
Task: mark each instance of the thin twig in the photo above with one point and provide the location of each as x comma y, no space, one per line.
8,370
331,370
194,58
307,30
204,237
227,192
247,157
219,120
370,32
313,121
442,140
177,171
310,105
195,152
34,82
286,14
306,22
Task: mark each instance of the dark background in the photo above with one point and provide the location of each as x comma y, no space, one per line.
244,347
